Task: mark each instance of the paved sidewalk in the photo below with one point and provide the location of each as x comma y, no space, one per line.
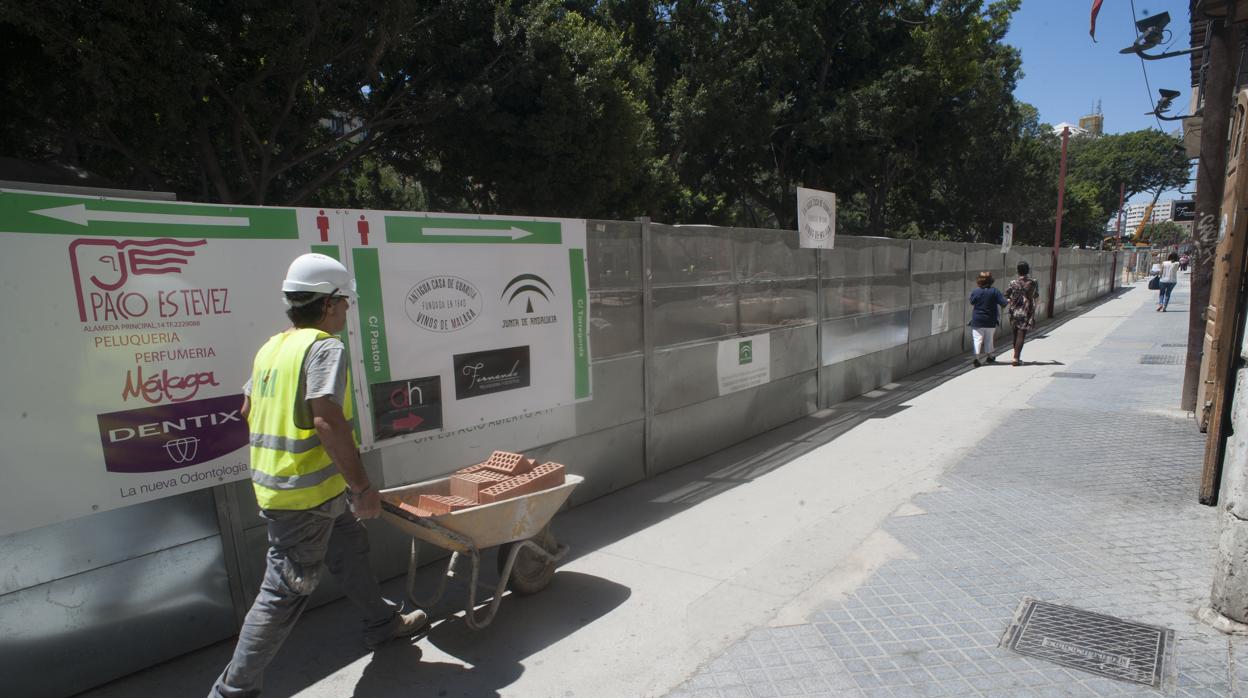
898,533
1085,497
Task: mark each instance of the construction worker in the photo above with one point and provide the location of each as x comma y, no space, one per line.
308,478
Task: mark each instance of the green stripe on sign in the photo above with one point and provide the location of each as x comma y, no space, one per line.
327,250
372,315
580,321
332,251
472,231
49,214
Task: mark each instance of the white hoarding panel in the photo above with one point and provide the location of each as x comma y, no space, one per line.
131,326
744,362
466,322
816,218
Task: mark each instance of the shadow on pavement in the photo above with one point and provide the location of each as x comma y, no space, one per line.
492,658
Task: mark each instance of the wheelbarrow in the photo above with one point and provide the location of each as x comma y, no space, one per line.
528,554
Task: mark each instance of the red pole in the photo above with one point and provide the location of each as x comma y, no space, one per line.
1057,231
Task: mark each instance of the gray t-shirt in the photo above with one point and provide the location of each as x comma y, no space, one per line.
324,375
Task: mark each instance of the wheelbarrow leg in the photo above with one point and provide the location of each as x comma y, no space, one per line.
478,622
413,562
471,617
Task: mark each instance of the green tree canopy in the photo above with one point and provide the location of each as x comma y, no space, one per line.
1164,234
1143,161
684,110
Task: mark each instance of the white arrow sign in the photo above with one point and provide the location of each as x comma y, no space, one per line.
515,233
79,215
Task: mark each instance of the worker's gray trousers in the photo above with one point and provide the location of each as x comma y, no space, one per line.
302,544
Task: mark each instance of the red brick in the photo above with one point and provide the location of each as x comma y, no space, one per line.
438,504
469,485
509,463
414,511
504,462
543,477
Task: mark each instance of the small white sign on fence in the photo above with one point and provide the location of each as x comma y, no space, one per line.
940,318
1007,237
816,218
744,362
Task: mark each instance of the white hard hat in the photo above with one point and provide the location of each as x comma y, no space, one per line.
318,273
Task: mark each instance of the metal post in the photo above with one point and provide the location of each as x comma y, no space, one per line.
818,328
232,546
1057,230
647,342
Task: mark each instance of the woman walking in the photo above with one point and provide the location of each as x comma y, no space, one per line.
1021,296
1169,278
985,304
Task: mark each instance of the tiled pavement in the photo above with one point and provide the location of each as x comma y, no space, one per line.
1087,498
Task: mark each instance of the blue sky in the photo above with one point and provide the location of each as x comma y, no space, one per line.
1065,73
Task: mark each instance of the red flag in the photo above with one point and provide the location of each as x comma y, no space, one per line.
1096,9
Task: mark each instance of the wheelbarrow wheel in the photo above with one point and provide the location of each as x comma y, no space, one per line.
531,572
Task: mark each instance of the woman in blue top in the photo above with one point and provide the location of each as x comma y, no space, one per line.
986,302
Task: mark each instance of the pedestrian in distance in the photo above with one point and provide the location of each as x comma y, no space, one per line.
309,482
1167,279
986,303
1184,260
1021,296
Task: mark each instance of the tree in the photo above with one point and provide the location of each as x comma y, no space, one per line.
1143,161
566,132
230,102
905,108
1164,234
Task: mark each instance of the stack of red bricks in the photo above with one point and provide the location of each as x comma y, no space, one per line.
503,475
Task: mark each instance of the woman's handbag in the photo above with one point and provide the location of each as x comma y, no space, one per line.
1154,283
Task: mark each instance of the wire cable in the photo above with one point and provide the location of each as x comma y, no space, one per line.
1144,69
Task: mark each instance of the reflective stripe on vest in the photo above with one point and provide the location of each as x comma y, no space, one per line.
290,468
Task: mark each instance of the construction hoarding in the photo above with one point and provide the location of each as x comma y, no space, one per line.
132,325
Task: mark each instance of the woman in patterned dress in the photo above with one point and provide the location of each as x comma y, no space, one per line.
1021,296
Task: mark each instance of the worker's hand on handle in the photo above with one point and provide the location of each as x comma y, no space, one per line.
367,504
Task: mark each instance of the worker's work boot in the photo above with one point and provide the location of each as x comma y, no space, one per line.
409,624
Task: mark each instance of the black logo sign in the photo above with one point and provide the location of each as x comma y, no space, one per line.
488,372
406,406
527,287
1185,210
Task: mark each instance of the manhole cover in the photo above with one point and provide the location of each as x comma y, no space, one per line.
1091,642
1161,359
1069,374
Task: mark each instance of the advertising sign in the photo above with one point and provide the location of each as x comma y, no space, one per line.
1007,237
744,362
816,218
1185,210
131,326
489,313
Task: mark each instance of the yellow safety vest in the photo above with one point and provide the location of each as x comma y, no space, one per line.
290,469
